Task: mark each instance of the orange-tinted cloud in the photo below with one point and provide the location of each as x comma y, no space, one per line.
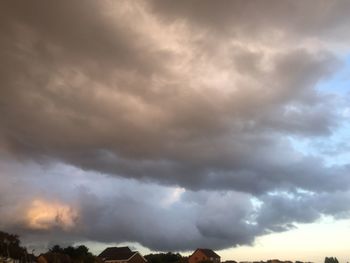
44,215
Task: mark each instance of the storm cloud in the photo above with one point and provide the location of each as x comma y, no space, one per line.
170,117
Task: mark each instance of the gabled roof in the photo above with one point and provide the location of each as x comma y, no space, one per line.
116,253
208,252
51,257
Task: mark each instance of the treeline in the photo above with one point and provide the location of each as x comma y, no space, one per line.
331,260
164,258
10,247
78,254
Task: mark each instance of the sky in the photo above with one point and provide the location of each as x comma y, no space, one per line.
171,125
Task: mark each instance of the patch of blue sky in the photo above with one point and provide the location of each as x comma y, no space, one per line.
333,149
339,82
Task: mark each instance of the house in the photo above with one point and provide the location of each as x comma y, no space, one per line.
121,255
204,254
53,257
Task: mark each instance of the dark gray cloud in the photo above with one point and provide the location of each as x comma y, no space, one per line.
81,206
206,97
280,211
119,210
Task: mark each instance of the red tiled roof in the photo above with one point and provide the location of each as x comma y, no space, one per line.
208,252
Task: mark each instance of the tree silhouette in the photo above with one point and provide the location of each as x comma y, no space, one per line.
163,258
331,260
79,254
10,247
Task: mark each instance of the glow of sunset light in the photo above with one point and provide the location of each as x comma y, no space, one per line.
44,215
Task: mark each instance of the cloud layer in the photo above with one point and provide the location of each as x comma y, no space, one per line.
198,104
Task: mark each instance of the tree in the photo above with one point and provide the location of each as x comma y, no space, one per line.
56,249
79,254
331,260
10,246
163,257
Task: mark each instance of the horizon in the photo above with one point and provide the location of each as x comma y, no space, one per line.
172,125
184,255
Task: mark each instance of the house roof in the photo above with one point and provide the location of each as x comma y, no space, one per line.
55,257
208,252
117,253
